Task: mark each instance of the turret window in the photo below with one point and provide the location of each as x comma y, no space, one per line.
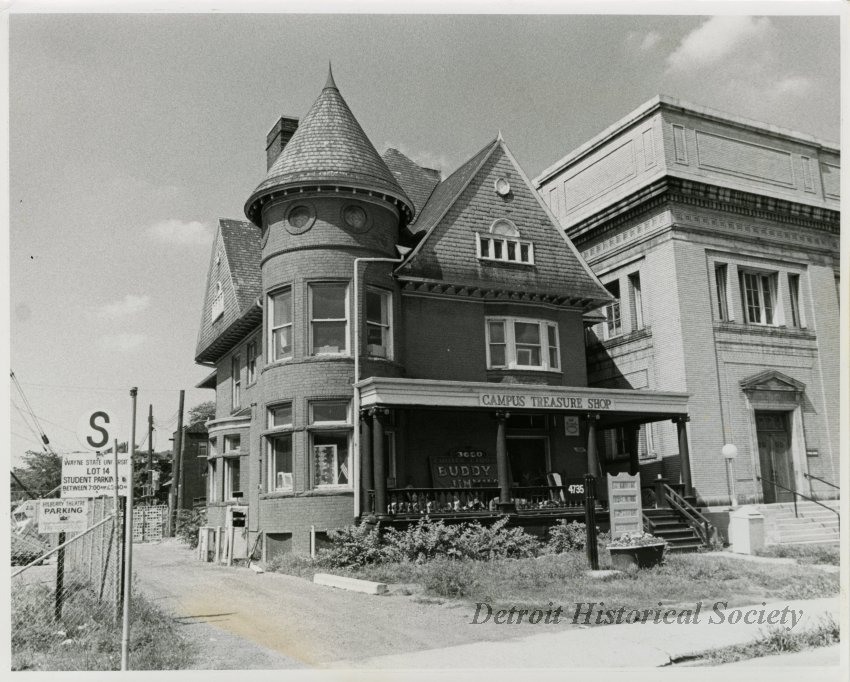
503,243
329,318
280,325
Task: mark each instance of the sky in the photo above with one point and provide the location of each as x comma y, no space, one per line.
131,134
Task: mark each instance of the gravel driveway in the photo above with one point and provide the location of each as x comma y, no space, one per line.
244,620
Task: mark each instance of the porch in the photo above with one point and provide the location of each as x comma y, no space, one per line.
493,471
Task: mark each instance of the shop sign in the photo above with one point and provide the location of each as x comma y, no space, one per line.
464,468
545,402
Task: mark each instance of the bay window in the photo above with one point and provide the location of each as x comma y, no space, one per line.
518,343
329,318
280,462
330,435
231,477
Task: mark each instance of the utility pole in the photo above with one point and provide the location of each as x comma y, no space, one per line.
150,454
176,492
128,543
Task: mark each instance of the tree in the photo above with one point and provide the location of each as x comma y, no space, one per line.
40,473
202,412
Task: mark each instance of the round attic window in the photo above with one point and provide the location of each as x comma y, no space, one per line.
300,219
355,217
503,187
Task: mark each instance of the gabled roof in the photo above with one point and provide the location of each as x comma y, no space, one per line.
329,148
772,380
417,182
235,264
466,203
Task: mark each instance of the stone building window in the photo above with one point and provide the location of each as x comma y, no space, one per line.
758,295
613,325
720,274
797,318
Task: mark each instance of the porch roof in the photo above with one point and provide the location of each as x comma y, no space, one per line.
614,406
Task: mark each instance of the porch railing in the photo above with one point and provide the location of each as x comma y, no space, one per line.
422,501
805,497
809,477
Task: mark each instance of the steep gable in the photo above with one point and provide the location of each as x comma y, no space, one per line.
467,203
417,181
233,285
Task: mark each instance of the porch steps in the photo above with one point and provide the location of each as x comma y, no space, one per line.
813,524
667,524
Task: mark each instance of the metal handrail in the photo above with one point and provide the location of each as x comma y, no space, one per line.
805,497
692,515
818,478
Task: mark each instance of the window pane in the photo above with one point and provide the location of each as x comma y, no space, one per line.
330,459
282,343
281,473
280,416
374,335
528,355
376,309
328,301
527,333
497,249
512,250
497,355
794,291
330,412
282,304
524,253
497,332
767,295
554,360
329,337
722,300
485,247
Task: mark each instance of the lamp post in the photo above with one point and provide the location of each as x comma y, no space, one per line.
730,452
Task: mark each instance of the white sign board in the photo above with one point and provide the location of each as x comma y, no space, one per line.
97,429
63,516
92,474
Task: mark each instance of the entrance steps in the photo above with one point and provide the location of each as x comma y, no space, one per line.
812,524
667,524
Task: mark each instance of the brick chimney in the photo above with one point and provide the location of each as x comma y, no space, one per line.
278,136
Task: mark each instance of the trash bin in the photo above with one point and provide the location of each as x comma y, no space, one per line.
746,530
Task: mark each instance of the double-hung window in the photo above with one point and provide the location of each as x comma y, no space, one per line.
236,385
758,294
797,318
279,448
251,366
329,318
330,434
280,325
212,491
378,312
720,274
231,477
519,343
613,319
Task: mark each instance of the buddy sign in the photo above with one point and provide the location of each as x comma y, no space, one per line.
93,475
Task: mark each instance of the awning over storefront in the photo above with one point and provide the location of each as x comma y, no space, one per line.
613,406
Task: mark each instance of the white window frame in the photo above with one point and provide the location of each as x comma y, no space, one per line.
721,285
212,489
270,416
226,442
228,477
612,327
635,300
386,326
311,288
277,483
795,298
270,341
335,428
510,343
485,244
235,382
772,278
251,356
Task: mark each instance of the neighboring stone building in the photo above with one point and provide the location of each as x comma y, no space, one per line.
388,343
719,238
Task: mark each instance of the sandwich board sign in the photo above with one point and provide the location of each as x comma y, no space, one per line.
624,504
63,515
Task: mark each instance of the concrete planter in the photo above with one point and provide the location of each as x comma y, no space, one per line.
644,556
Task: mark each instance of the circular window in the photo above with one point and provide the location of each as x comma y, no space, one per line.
503,187
299,219
355,217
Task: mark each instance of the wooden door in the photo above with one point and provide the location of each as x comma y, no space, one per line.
774,444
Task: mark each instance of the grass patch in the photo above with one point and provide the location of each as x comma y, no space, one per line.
804,554
85,637
682,580
776,641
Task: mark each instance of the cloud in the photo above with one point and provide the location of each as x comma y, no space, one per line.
129,305
643,41
174,231
121,342
792,85
425,159
715,39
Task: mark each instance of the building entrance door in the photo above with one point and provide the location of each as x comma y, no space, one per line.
528,460
774,443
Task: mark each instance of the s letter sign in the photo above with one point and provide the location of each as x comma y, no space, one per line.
97,429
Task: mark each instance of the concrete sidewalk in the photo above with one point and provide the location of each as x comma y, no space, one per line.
638,645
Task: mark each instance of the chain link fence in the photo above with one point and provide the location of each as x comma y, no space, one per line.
66,595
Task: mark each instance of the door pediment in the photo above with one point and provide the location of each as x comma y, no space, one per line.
772,380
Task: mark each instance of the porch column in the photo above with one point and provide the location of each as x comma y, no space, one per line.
684,454
634,450
592,459
367,481
379,462
502,465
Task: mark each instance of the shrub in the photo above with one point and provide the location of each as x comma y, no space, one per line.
448,578
352,546
188,524
566,537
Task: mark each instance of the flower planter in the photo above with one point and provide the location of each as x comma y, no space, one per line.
642,556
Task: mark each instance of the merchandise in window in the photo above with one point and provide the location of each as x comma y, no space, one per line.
329,318
516,343
329,447
280,326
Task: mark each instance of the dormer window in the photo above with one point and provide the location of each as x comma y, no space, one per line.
503,244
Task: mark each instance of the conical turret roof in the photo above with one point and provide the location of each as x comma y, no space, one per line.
329,148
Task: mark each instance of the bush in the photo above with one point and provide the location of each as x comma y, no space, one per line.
188,524
448,578
353,546
566,537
